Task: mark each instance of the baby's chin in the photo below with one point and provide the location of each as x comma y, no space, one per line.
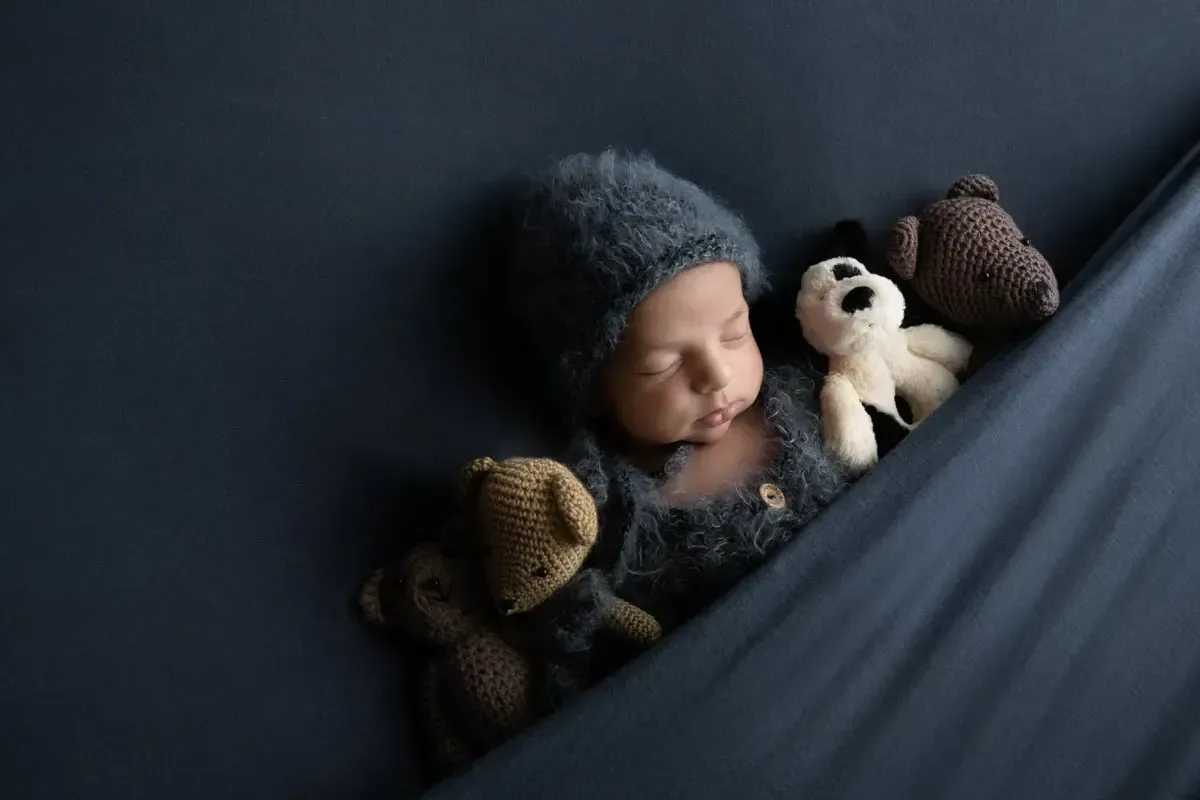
709,435
693,434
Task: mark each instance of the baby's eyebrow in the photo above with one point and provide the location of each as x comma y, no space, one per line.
743,311
650,348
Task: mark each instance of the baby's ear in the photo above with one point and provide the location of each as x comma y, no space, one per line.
576,508
902,247
974,186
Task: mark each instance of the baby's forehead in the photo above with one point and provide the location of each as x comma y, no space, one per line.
693,304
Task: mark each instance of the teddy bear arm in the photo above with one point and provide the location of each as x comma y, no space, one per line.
849,434
633,623
938,344
925,387
449,749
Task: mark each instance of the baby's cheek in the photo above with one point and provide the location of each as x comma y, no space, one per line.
631,405
750,369
664,412
661,403
681,410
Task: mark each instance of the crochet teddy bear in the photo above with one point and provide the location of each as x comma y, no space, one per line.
854,317
476,690
536,524
968,260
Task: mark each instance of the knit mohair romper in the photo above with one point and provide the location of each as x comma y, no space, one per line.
677,559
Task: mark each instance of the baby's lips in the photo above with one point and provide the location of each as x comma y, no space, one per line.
720,416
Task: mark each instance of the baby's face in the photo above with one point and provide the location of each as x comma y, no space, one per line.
687,363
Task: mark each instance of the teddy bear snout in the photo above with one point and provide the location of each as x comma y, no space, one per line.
506,605
1043,299
858,299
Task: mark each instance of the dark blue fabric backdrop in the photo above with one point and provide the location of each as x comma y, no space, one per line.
239,363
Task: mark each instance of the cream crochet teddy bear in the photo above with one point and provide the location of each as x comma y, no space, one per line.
854,317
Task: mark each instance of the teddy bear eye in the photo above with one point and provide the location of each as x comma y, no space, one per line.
431,584
540,572
985,276
1025,241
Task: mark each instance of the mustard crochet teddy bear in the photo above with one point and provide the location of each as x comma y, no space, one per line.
536,525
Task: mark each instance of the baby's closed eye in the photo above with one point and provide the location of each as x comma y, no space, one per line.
736,328
654,372
736,337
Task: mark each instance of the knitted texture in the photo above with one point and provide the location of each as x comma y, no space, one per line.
536,523
477,689
598,234
634,624
967,259
487,681
567,627
427,593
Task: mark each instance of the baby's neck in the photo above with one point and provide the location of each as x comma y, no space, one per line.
743,452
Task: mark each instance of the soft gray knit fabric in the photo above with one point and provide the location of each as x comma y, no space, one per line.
598,234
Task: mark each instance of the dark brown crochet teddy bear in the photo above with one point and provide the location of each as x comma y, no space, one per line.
968,260
477,688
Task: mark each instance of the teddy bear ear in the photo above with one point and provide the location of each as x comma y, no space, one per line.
974,186
902,247
576,509
471,478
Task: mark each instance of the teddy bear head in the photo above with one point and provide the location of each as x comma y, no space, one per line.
969,261
844,309
536,524
430,594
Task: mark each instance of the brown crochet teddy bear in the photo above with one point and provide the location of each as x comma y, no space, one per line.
968,260
537,523
476,690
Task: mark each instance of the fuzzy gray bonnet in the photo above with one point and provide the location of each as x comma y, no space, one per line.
599,233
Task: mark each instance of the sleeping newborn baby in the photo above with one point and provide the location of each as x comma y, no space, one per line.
635,286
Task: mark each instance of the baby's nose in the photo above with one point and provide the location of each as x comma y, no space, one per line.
712,374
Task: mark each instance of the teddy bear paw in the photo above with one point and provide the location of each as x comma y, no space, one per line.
854,447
